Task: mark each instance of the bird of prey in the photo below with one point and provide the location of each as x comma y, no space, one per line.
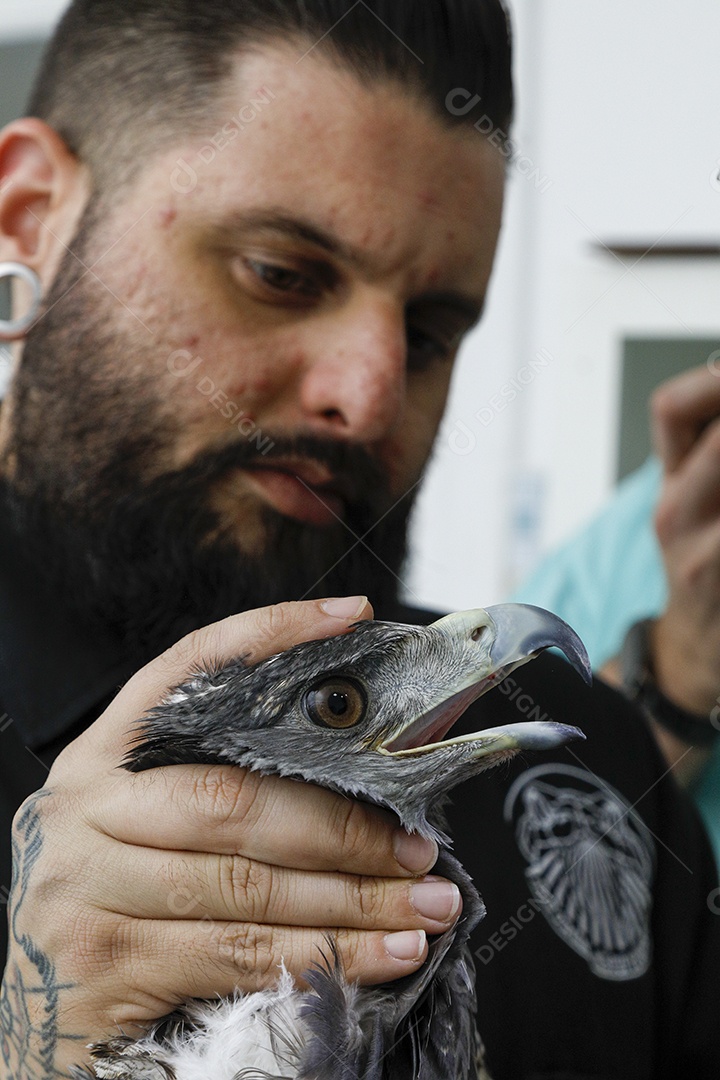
365,714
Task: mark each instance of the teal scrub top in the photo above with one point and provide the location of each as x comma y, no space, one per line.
606,578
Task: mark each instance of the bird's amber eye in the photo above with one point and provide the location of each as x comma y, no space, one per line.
336,702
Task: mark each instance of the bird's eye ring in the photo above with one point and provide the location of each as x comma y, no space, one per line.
336,702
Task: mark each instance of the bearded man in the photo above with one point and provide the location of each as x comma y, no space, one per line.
260,231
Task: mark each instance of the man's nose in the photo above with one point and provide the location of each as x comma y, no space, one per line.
354,372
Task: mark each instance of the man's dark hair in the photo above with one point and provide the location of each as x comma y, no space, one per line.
123,77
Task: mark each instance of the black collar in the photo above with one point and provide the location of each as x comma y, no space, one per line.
52,671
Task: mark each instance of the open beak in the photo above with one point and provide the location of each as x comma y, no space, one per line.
492,643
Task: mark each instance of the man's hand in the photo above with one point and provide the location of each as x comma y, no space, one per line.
134,892
686,646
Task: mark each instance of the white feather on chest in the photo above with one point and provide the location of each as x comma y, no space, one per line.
254,1035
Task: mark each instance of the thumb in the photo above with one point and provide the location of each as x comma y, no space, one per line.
250,636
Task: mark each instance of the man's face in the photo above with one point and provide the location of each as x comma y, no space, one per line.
264,343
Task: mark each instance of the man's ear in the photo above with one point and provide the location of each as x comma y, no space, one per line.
43,190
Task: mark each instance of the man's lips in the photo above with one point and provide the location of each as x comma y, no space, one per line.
306,490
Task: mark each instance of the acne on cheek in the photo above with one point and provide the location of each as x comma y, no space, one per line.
428,200
235,392
219,384
166,216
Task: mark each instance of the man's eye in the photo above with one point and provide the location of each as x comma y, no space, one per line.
282,278
424,348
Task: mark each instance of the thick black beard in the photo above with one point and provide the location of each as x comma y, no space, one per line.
143,555
149,563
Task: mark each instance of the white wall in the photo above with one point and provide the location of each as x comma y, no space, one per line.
29,18
618,110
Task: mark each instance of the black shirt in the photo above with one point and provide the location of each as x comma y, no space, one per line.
599,955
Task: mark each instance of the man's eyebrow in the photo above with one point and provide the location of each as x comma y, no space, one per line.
294,228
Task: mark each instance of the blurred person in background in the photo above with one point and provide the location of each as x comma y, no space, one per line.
641,584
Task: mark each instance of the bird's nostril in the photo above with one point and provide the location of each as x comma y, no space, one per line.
478,632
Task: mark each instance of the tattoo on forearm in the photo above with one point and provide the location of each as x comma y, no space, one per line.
30,991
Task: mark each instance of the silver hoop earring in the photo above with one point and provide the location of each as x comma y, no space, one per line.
13,329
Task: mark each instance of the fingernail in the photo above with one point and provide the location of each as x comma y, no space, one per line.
345,607
407,945
413,852
438,900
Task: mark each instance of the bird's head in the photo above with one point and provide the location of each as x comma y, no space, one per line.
367,713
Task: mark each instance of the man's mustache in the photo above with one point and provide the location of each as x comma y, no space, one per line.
356,475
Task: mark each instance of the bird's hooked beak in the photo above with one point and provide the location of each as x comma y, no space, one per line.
492,643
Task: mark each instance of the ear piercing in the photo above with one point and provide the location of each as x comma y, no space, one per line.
14,329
